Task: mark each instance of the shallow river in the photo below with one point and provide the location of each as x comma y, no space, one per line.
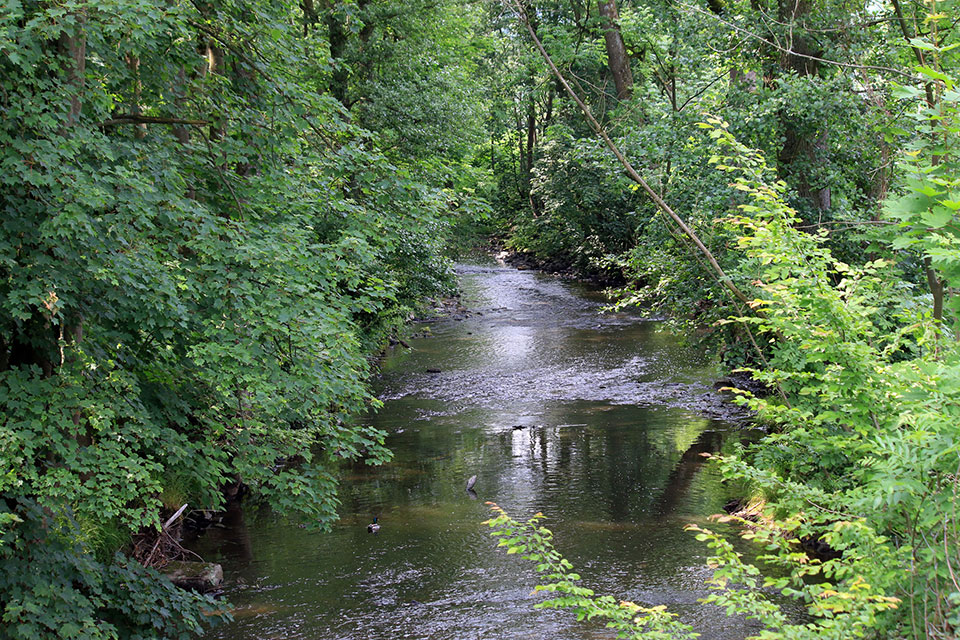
597,420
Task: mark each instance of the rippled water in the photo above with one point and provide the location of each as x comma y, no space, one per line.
595,420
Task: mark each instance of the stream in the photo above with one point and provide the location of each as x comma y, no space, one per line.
597,420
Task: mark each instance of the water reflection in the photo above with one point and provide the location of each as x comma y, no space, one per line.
597,421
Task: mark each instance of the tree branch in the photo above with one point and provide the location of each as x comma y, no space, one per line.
133,118
792,52
631,172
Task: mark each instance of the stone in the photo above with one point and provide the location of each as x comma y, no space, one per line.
196,576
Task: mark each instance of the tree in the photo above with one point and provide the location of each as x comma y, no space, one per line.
617,58
198,254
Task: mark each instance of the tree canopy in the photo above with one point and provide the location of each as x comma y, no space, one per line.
216,211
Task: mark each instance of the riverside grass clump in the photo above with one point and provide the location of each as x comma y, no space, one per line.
863,453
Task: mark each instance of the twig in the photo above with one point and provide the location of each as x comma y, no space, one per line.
163,532
223,179
790,51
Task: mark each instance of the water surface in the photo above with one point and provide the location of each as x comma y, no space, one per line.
597,420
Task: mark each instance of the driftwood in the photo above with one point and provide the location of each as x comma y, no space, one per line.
157,548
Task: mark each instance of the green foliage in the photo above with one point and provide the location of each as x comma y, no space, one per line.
556,192
863,457
855,334
53,589
866,421
841,603
199,251
926,208
534,542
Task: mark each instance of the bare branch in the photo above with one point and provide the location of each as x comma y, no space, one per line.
134,118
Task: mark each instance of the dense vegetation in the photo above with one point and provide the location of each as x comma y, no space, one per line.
201,247
214,212
811,152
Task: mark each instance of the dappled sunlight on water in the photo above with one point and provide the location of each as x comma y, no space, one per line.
595,420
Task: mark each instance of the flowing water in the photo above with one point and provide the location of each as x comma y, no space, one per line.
597,420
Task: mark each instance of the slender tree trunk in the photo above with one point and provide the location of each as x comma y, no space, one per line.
548,116
181,132
531,136
936,288
617,58
133,63
214,55
73,47
309,16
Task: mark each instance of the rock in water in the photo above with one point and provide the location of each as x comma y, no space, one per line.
472,481
199,576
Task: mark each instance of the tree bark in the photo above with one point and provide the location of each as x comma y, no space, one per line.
180,132
73,46
309,16
936,288
337,38
214,55
133,63
799,146
617,58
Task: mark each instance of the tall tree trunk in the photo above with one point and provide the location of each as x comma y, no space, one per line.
936,287
798,146
181,131
309,16
617,58
337,37
133,64
73,47
531,146
214,55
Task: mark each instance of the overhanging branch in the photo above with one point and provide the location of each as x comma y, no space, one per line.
133,118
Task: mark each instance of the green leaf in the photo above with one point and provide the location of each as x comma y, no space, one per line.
937,217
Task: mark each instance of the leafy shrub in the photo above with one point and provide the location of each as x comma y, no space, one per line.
533,542
53,589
